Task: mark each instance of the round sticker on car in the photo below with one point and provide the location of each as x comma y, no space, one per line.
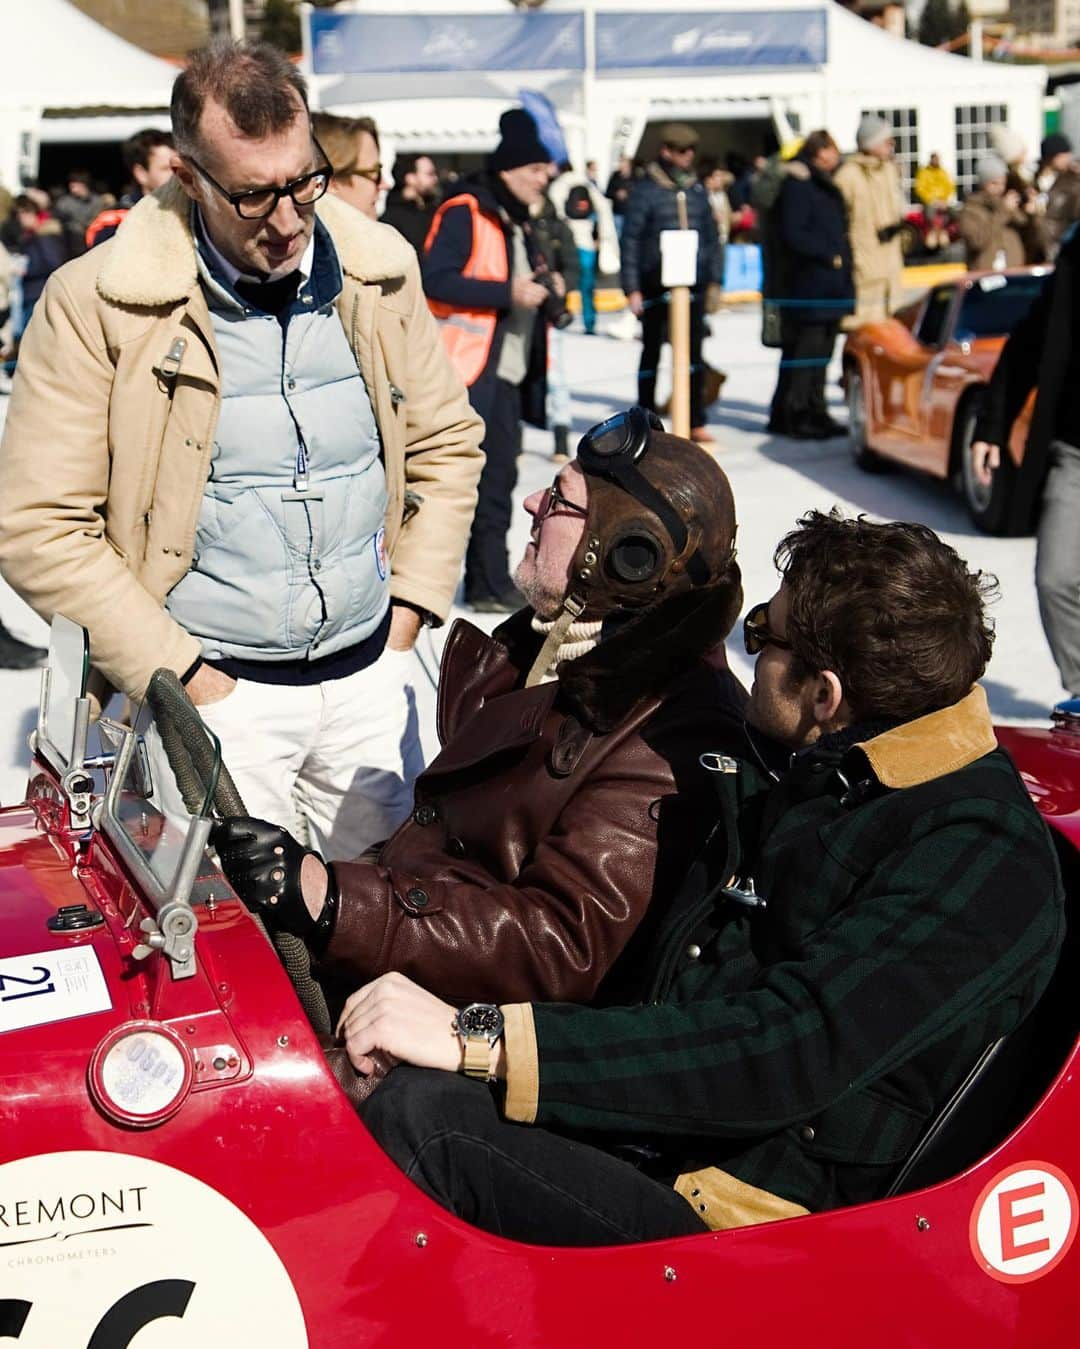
97,1246
1024,1222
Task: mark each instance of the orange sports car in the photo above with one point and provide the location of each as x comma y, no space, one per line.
914,383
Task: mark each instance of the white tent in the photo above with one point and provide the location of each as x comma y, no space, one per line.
797,64
64,77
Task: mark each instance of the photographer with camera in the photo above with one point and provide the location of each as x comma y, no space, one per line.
869,182
487,284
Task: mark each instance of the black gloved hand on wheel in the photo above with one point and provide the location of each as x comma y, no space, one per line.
262,863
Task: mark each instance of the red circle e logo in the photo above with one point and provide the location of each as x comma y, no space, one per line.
1024,1222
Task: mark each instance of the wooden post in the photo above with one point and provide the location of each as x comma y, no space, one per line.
679,336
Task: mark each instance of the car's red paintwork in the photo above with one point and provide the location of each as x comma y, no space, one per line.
914,391
374,1261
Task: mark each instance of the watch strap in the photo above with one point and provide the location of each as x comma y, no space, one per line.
477,1057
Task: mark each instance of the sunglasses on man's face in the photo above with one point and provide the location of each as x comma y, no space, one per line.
756,631
554,501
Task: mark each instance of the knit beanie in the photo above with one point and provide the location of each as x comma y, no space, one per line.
520,142
1008,144
872,131
1055,144
990,166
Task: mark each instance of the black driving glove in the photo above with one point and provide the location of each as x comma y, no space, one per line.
262,863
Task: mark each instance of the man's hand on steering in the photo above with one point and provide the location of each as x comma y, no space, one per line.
984,459
272,873
399,1017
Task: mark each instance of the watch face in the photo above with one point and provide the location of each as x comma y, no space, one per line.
481,1019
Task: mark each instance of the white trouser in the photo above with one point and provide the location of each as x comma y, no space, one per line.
333,763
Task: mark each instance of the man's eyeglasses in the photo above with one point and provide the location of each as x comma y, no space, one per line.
756,633
554,501
259,202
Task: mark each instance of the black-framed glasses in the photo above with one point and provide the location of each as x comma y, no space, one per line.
553,501
756,631
256,203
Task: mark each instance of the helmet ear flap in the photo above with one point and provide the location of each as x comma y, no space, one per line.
635,556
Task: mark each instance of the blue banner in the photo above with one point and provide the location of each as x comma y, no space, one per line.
541,109
707,39
382,44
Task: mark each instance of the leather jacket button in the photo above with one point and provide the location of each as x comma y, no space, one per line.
455,847
425,815
417,898
806,1133
693,951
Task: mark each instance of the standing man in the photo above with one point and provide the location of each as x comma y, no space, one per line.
75,209
817,266
1057,181
235,448
652,208
800,1033
352,146
618,190
480,273
1043,351
148,159
411,202
588,214
869,182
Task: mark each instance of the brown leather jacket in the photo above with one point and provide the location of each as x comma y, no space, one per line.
552,819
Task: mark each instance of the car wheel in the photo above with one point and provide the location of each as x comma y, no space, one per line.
910,240
987,506
863,455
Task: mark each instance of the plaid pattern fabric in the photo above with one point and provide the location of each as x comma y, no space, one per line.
804,1047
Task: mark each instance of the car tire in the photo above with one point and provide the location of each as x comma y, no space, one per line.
911,243
987,506
864,456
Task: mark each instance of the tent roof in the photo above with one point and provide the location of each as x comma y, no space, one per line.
53,56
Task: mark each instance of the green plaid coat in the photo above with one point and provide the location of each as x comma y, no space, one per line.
804,1046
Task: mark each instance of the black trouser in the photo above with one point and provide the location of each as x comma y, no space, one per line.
486,568
515,1180
799,401
654,333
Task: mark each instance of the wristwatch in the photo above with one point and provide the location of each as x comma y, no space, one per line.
479,1025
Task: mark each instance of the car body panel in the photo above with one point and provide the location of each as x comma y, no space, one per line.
918,367
364,1254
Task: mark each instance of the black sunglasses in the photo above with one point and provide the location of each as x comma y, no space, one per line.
259,202
756,632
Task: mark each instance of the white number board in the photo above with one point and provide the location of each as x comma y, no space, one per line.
51,986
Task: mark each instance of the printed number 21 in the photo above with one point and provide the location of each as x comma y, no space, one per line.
124,1319
42,974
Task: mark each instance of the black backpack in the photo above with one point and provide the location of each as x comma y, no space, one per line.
579,204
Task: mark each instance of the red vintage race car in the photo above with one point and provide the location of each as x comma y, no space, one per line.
913,384
178,1166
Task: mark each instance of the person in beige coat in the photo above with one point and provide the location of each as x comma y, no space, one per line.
236,448
869,182
999,228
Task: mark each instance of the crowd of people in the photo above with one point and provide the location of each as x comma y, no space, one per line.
638,953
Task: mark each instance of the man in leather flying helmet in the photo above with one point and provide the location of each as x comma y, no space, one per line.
568,797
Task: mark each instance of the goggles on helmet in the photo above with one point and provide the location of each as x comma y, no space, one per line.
613,449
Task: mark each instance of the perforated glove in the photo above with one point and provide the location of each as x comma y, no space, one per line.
262,863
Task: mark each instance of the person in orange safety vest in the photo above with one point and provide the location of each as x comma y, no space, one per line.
487,284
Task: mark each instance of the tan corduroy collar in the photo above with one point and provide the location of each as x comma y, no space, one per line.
932,746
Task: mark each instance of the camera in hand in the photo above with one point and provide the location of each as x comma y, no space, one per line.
554,307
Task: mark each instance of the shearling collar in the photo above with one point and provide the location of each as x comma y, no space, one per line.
932,746
151,260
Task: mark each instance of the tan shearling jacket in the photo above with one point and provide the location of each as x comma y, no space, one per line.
871,191
111,426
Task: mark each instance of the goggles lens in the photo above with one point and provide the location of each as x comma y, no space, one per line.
626,435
